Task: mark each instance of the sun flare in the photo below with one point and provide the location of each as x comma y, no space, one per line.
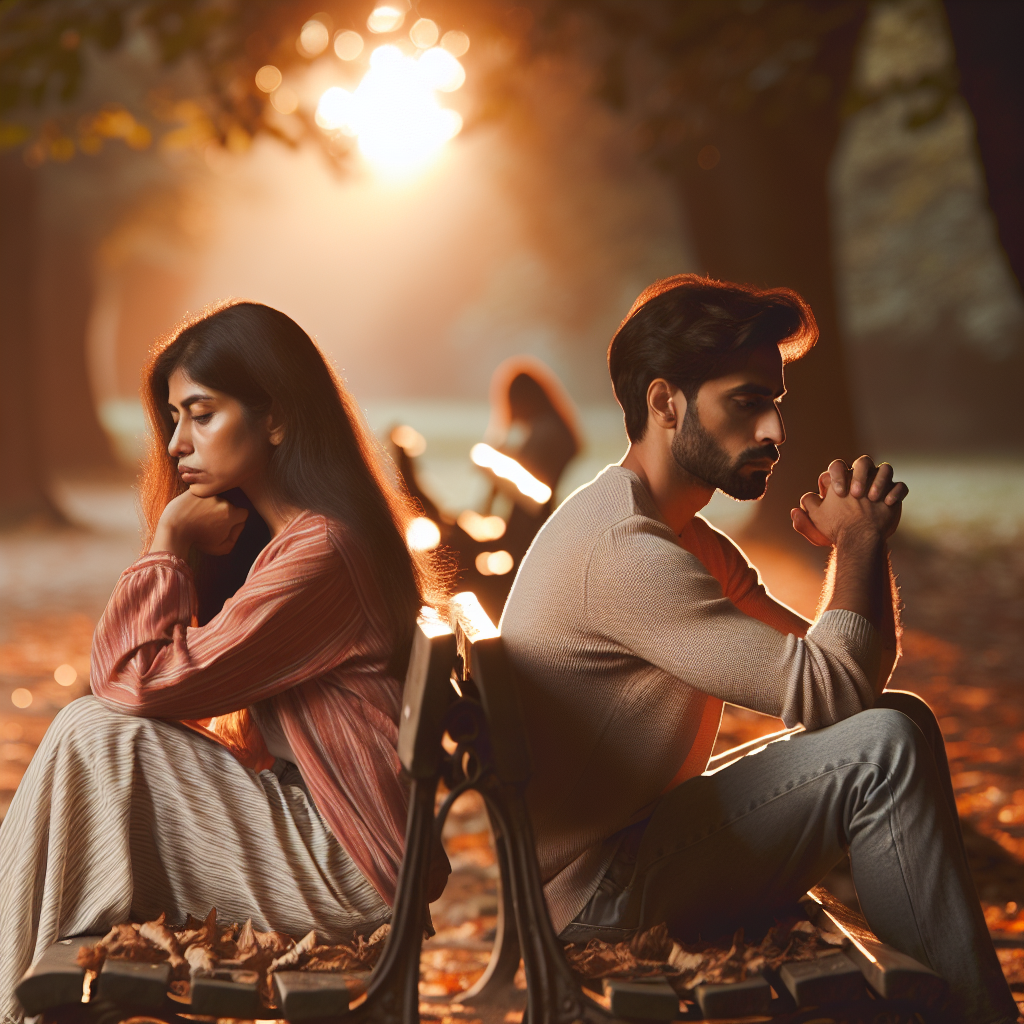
394,112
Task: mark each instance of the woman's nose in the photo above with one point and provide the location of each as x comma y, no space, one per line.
180,443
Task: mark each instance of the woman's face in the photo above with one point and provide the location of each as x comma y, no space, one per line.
217,444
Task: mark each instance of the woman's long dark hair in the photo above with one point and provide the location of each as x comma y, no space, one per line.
327,463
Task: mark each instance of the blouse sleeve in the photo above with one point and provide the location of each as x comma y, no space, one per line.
297,616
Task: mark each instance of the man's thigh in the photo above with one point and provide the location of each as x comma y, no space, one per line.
748,839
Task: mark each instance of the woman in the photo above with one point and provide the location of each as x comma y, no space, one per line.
249,762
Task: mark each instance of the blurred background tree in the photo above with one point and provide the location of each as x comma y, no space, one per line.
740,103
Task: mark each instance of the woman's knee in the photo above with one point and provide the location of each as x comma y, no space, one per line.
84,717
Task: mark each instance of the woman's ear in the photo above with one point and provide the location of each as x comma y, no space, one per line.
275,425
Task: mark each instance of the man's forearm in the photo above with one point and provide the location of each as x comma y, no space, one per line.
859,578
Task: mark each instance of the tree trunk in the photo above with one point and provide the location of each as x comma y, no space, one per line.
987,38
22,476
72,440
761,216
48,420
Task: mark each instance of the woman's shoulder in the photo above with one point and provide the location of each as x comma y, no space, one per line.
310,537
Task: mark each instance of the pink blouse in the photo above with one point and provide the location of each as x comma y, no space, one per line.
306,634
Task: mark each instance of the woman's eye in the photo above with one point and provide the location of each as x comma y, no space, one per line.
204,418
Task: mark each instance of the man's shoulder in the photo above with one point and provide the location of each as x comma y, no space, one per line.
614,495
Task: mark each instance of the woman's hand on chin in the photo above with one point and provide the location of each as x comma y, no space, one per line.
212,524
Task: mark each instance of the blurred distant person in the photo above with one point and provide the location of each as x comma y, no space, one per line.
533,418
533,421
632,620
247,763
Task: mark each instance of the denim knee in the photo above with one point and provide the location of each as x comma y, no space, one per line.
896,737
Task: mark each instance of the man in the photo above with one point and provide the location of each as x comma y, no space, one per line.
632,619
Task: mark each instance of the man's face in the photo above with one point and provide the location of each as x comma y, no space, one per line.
730,434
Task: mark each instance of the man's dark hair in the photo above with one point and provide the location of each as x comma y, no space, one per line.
687,328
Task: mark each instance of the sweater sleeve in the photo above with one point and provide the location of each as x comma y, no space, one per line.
660,603
294,618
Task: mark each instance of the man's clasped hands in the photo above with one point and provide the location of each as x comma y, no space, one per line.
861,503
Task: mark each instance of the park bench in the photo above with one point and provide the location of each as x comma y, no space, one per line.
460,688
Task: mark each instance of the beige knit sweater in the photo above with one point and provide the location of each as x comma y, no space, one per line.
626,640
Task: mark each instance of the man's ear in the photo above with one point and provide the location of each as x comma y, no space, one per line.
275,425
666,404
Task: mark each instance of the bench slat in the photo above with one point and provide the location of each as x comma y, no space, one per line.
647,999
302,995
56,980
830,979
736,999
892,974
226,994
136,985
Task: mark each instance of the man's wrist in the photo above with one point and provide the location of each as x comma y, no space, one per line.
859,542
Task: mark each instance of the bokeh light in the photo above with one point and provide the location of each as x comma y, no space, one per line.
494,563
424,33
268,78
21,698
394,111
348,45
313,38
431,622
481,528
335,109
442,70
65,675
285,100
410,440
455,42
475,622
507,468
386,18
422,534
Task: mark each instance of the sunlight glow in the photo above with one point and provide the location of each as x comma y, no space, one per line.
481,528
21,698
394,111
475,622
442,70
508,469
494,563
422,534
66,675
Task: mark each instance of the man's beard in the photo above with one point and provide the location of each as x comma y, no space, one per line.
696,451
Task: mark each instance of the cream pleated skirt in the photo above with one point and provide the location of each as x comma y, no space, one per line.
120,818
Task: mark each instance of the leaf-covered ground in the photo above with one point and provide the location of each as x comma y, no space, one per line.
964,653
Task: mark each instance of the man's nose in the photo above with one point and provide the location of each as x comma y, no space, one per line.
180,443
770,428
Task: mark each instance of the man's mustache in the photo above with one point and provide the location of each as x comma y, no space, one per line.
769,452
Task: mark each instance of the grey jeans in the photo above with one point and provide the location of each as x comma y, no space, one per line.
756,835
